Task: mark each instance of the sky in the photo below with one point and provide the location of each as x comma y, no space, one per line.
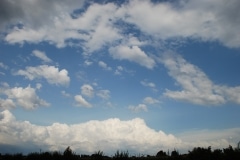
135,75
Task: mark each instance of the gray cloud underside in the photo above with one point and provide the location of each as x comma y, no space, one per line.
215,20
35,13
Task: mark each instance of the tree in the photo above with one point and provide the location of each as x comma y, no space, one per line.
200,153
161,154
98,155
174,153
123,155
68,154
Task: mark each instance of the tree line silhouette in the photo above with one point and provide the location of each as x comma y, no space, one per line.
197,153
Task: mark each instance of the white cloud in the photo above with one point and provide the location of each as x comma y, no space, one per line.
118,71
88,63
120,68
150,100
104,94
7,103
26,13
214,19
38,86
98,21
97,26
93,29
87,90
41,55
133,54
50,73
143,106
108,135
232,94
138,108
65,94
23,97
196,87
148,84
2,65
81,101
151,85
217,139
104,65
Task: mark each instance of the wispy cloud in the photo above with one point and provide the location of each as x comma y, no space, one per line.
2,65
65,94
151,85
104,94
150,100
138,108
80,101
196,87
41,55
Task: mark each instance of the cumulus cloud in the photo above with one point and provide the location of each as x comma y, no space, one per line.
144,105
104,94
118,70
2,65
41,55
151,85
107,135
51,73
214,19
65,94
88,63
7,103
98,22
38,86
138,108
103,24
214,138
87,90
150,100
133,54
22,97
196,87
104,65
81,102
148,84
93,28
32,16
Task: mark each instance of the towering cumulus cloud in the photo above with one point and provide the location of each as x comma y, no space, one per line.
108,135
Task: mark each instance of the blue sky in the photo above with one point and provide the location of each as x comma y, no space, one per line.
132,75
